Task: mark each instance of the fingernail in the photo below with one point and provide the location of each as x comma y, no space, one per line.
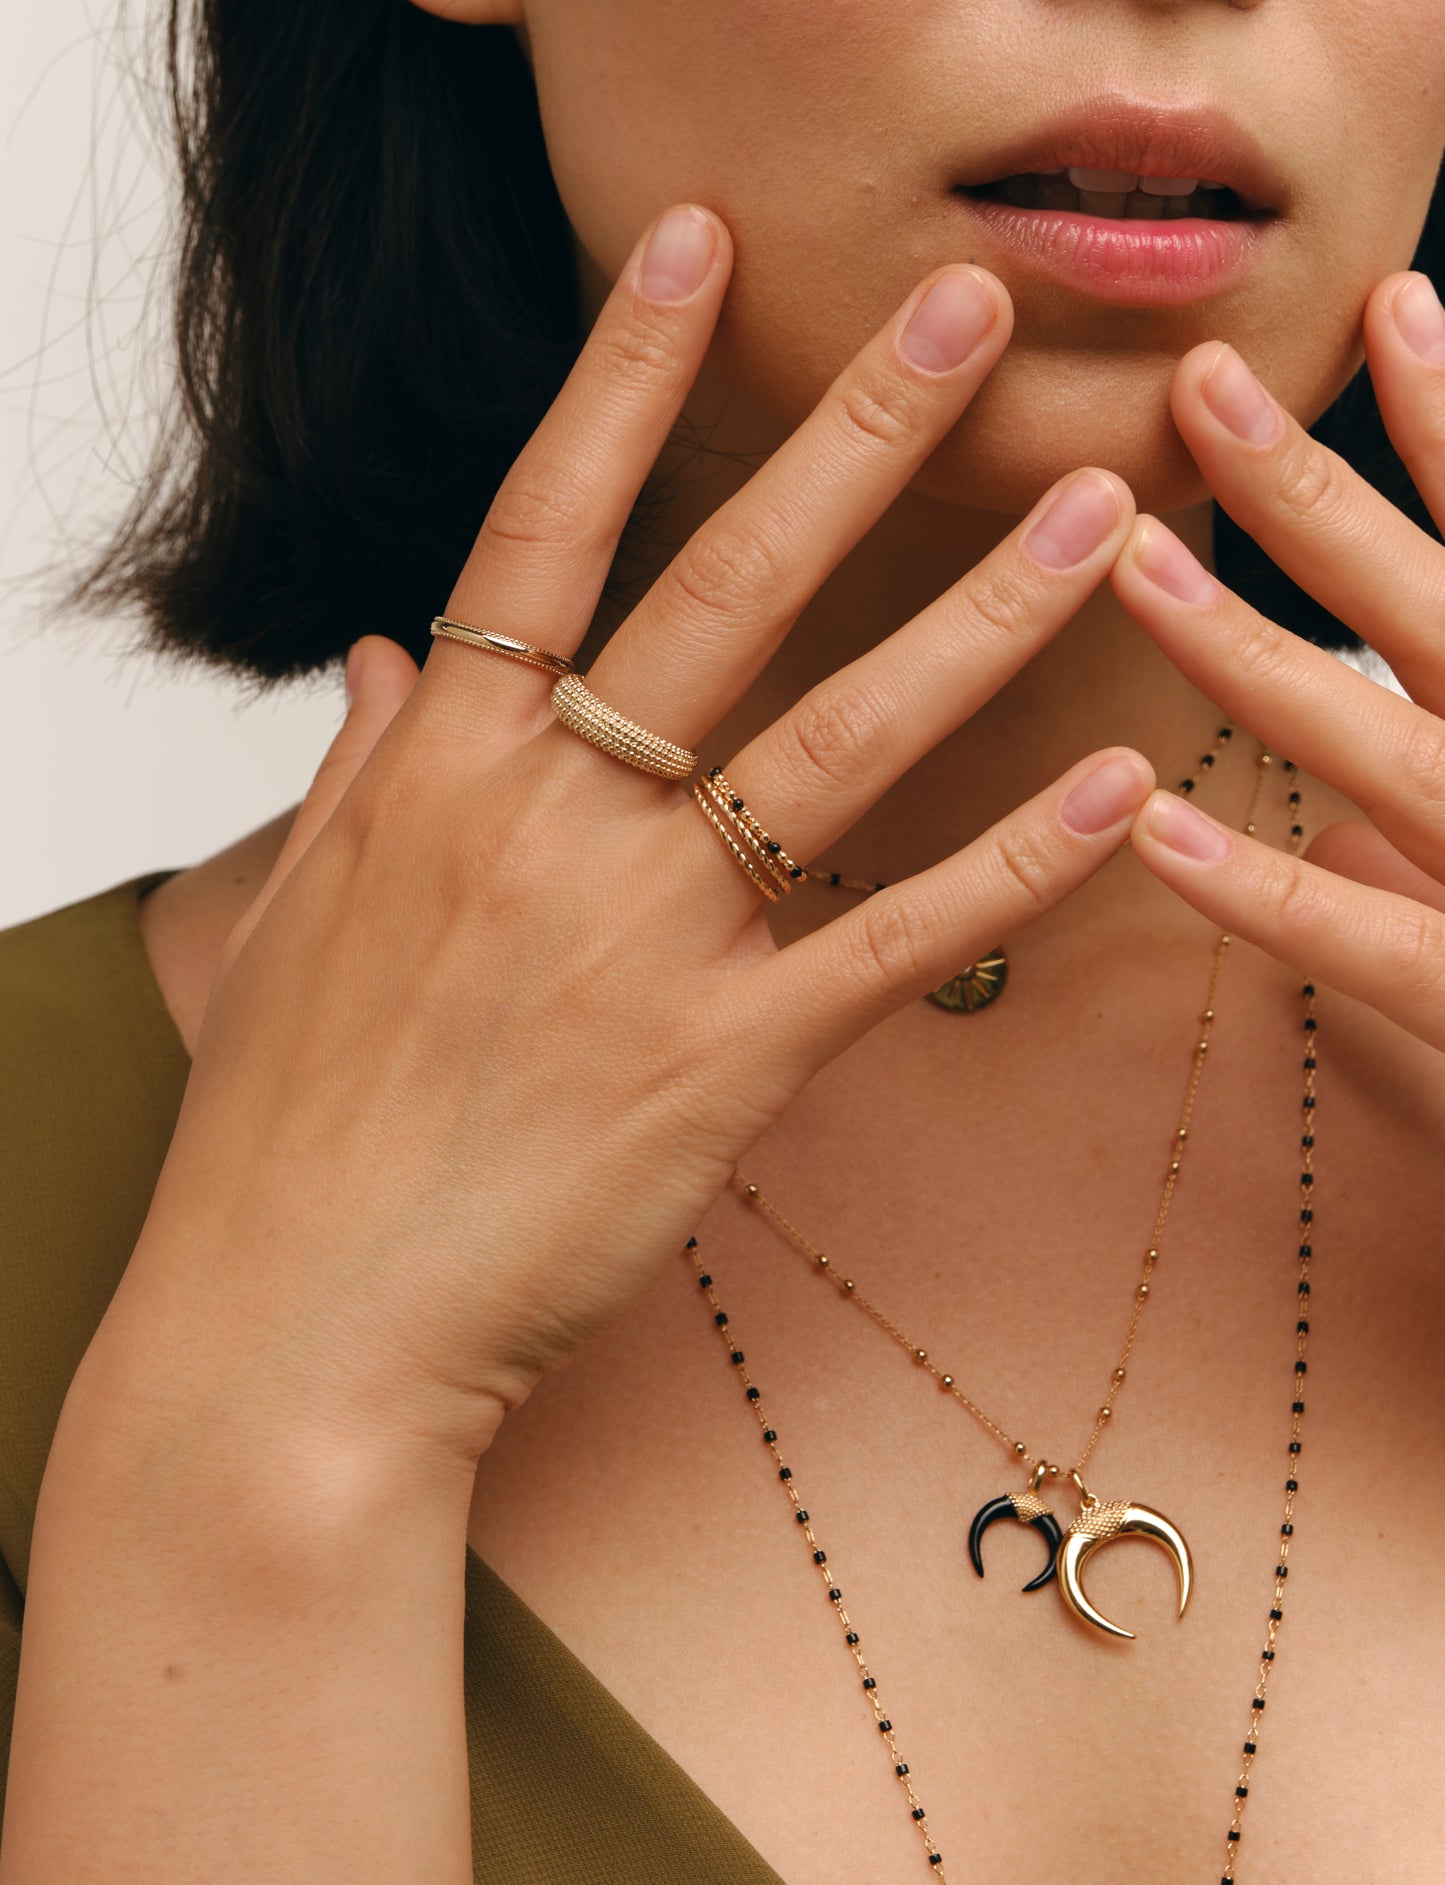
949,322
1173,567
1077,521
1421,320
1186,830
1106,796
353,671
678,256
1237,400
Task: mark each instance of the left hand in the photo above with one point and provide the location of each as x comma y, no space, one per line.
1364,909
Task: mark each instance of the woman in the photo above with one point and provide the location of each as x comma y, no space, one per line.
480,1037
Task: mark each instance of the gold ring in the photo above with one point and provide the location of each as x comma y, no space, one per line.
579,709
499,644
716,795
769,889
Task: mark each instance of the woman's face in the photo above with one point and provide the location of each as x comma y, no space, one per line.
829,135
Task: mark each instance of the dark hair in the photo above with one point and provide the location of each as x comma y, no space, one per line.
376,302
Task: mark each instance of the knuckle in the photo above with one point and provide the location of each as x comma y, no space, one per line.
1292,894
867,415
1308,481
640,354
894,940
717,572
384,790
1258,650
547,510
1025,861
834,737
1421,761
1414,947
1003,605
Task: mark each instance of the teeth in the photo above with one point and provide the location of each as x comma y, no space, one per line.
1053,190
1112,182
1120,181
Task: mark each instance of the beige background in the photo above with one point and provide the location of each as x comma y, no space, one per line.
111,763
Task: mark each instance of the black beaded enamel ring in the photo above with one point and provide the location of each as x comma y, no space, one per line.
727,813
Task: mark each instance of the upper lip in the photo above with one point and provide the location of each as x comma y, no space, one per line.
1151,140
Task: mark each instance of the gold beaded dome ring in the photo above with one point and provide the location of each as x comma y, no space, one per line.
579,710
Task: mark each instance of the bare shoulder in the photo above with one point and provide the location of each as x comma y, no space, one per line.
185,921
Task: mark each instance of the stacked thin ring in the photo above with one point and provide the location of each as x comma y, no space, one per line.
499,644
718,802
579,709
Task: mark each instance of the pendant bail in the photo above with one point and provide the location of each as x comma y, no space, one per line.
1087,1499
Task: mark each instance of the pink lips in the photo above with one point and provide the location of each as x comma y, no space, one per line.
1140,263
1143,264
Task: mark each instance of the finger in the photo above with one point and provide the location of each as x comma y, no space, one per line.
1366,856
548,539
815,771
1381,948
1384,753
1330,531
380,675
1405,344
820,993
715,616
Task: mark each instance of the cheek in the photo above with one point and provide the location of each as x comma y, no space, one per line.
1377,98
1379,103
751,106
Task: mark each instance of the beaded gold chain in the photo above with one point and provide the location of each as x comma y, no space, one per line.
847,1287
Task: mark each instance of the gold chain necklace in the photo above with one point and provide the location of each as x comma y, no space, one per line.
1098,1520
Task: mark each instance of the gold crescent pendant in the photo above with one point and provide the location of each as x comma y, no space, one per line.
974,987
1095,1526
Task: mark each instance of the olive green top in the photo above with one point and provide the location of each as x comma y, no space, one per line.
565,1784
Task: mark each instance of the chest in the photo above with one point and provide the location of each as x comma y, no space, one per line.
633,1503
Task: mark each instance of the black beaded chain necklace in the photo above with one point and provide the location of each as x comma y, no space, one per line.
1097,1521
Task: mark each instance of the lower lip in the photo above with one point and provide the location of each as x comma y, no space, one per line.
1143,264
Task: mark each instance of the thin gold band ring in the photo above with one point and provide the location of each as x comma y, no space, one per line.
498,644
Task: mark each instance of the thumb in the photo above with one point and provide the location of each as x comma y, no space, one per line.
380,675
1362,854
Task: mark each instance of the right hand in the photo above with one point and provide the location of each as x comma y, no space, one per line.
506,1014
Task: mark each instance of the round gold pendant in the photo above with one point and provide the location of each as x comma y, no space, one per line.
974,987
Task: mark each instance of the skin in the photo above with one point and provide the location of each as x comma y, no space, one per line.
827,139
823,137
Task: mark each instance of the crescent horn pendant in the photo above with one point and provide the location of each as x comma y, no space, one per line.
1008,1506
1094,1527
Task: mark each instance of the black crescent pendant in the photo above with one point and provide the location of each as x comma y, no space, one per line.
1028,1509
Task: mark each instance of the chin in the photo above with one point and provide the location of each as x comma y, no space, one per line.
1030,425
